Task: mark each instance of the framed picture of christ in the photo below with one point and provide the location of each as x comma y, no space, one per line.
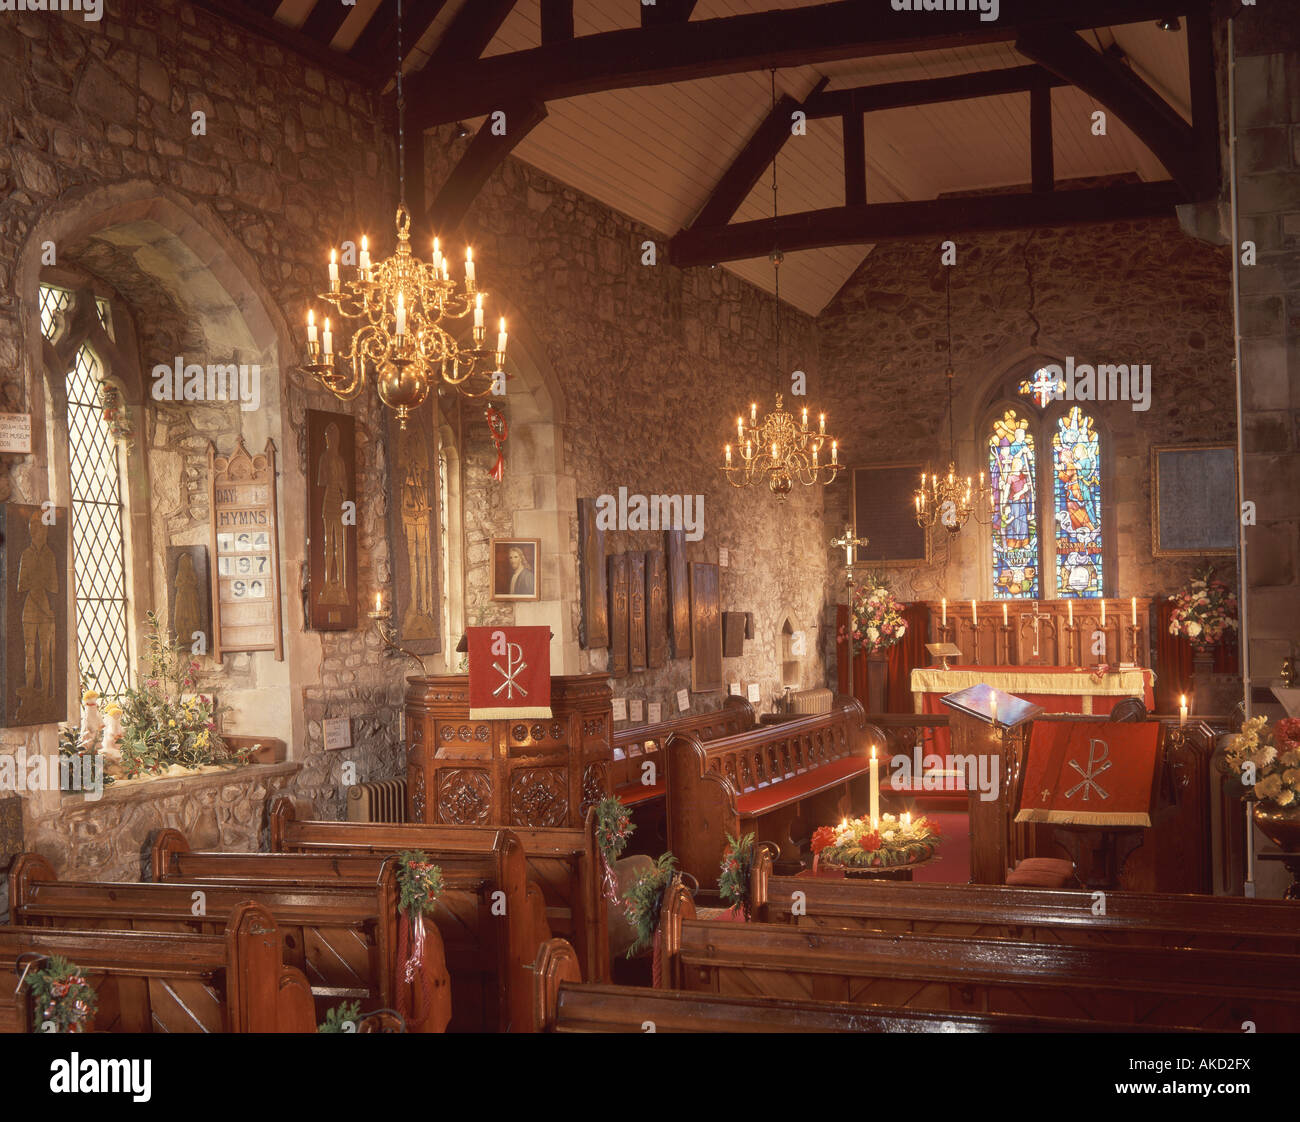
514,569
884,514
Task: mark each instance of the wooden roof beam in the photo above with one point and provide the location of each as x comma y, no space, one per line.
658,13
1153,121
324,20
459,87
929,91
469,33
243,16
556,20
878,222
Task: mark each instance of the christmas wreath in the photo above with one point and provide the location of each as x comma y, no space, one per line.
737,864
420,882
64,998
860,843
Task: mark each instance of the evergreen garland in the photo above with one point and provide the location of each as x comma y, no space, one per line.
737,863
63,996
341,1017
613,827
644,900
420,882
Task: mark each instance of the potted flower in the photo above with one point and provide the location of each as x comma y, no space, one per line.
1205,612
877,624
1264,766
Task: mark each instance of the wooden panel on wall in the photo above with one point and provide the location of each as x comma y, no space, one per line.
189,594
884,514
636,630
656,596
593,631
413,518
34,577
679,594
1194,500
706,628
332,535
619,616
733,634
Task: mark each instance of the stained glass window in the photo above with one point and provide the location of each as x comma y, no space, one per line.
1076,494
1015,509
98,564
1043,388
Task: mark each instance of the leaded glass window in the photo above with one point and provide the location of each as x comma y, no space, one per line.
98,560
53,301
1076,491
1013,478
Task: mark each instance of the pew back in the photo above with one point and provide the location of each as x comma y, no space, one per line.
633,747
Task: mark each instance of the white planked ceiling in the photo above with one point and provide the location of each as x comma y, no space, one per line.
655,153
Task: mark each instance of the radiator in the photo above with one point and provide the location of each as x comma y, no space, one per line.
810,701
384,801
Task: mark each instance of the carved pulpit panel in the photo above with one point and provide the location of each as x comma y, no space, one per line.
34,582
636,633
656,585
619,616
245,536
679,594
331,521
592,583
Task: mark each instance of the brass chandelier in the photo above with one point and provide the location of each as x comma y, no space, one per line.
400,308
780,449
949,499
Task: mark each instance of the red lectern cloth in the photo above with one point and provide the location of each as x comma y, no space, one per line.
1090,773
509,672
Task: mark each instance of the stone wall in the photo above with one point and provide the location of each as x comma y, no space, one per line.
1118,292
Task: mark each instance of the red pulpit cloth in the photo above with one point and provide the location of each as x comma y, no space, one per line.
1090,773
509,672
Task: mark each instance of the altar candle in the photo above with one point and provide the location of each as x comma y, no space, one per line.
327,339
1070,606
907,818
469,268
1103,613
311,326
875,786
974,614
1182,709
944,605
334,271
1135,611
1004,613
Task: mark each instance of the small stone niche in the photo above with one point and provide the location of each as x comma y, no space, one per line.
792,655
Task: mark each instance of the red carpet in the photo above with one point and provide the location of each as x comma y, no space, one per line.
953,863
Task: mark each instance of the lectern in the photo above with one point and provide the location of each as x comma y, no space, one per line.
531,772
983,720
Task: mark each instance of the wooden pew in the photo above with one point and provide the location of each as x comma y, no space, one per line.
762,781
1153,986
235,981
564,1003
563,863
344,938
1034,915
490,918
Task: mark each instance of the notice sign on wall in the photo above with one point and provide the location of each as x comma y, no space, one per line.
246,591
15,432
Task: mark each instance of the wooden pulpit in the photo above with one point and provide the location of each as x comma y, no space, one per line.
981,721
512,771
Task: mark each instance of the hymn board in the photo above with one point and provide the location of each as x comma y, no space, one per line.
245,544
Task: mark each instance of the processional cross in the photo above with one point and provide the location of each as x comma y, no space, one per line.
849,543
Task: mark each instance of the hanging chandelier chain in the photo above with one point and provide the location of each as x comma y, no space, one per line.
401,115
952,443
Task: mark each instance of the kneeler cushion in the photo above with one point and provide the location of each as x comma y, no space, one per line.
1090,773
1042,872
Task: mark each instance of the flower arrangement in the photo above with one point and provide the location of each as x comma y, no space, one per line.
1205,611
161,728
613,828
114,412
64,998
733,879
877,616
857,843
420,882
1267,762
644,899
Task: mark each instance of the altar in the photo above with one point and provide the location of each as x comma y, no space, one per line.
1058,689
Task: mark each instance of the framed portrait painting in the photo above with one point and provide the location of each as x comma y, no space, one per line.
514,568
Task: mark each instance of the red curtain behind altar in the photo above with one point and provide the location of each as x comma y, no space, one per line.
1174,661
901,659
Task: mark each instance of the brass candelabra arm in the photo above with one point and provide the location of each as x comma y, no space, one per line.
383,620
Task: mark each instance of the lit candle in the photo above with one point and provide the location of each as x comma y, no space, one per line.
478,310
437,257
974,614
334,271
1004,613
875,785
835,451
774,451
401,314
311,326
907,818
469,267
728,455
501,337
1182,709
740,429
379,602
753,412
817,451
1069,604
944,606
805,416
1135,611
749,454
363,262
821,424
1103,613
327,340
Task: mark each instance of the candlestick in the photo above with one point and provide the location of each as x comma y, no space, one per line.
875,786
1135,611
1182,709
